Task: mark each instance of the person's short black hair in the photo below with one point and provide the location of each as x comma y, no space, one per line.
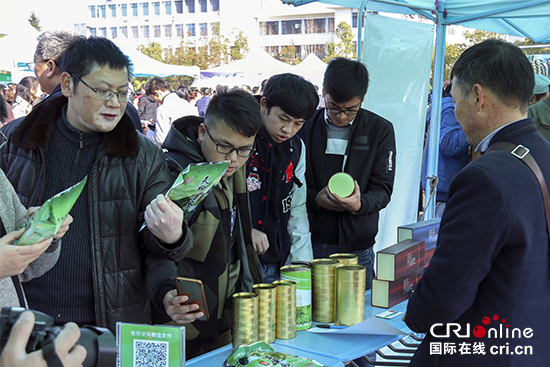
292,94
238,109
345,80
155,84
3,109
84,54
499,66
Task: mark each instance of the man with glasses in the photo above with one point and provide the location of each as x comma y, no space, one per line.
222,256
276,175
343,137
100,275
47,62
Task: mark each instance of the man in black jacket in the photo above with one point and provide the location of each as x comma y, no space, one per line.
343,137
100,276
222,256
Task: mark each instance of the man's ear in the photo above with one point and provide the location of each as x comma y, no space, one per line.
52,68
263,106
202,133
67,86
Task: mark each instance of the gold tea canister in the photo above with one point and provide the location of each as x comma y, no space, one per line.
267,294
245,319
301,275
350,294
345,258
285,327
323,277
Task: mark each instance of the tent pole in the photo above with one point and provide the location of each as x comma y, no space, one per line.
437,86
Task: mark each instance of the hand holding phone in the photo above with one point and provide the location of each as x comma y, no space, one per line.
194,290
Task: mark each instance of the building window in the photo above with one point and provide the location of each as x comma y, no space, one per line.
123,10
179,30
191,29
168,7
354,20
330,25
156,8
134,8
168,30
145,9
113,32
145,31
179,7
92,10
215,5
103,11
215,29
103,32
112,9
203,29
319,50
135,32
190,6
269,28
203,5
291,26
93,32
272,50
316,25
124,31
156,31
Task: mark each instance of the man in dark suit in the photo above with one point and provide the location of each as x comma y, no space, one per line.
482,300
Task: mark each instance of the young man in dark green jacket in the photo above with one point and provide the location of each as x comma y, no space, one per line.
222,257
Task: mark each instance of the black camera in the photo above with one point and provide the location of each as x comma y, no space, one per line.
99,343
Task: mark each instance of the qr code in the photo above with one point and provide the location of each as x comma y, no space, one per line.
150,353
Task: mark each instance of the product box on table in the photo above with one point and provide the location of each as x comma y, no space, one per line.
427,230
387,294
399,260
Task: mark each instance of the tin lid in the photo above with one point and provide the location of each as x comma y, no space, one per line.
341,184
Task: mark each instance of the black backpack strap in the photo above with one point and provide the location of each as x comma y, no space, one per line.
522,153
19,290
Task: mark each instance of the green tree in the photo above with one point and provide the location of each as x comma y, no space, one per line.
344,46
154,51
34,21
240,46
289,55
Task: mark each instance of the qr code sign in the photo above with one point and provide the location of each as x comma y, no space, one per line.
150,353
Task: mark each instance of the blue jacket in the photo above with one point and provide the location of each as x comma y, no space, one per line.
453,149
491,263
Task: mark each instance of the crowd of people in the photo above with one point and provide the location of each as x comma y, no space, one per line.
272,207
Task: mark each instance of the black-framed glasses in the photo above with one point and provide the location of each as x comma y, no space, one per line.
106,94
345,112
225,149
336,111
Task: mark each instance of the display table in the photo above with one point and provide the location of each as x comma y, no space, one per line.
328,349
348,347
217,357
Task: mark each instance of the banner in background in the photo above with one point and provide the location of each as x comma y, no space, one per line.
398,55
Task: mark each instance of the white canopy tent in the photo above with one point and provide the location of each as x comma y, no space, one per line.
251,70
311,68
146,66
17,49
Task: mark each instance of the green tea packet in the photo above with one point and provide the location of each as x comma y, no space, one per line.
47,220
261,354
193,184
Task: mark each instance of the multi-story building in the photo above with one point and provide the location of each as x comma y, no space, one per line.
268,24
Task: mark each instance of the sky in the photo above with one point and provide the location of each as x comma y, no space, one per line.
53,14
